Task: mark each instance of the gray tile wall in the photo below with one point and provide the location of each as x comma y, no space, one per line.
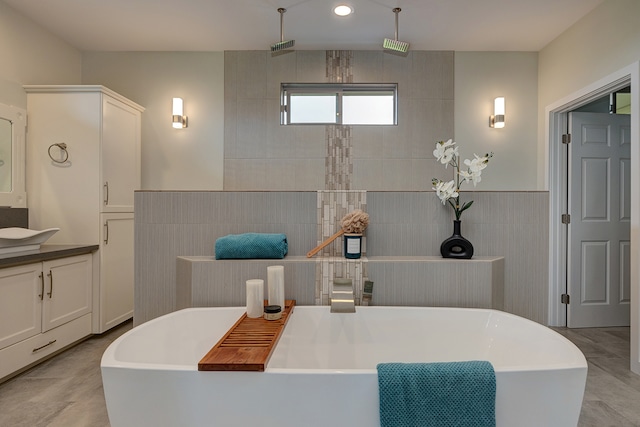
405,224
171,224
220,283
399,281
260,154
510,224
434,282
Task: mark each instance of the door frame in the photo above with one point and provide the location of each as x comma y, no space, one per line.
555,125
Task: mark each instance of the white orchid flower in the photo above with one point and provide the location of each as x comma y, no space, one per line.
445,152
445,190
469,176
449,154
477,164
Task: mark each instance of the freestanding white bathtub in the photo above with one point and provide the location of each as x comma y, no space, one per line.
323,370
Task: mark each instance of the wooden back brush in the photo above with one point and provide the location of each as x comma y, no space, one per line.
353,222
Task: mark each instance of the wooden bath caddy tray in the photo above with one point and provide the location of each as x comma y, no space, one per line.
248,345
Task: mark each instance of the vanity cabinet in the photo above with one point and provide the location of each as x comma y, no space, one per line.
87,188
44,307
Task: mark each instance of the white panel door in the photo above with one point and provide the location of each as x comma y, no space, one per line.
116,270
120,155
21,292
67,290
64,195
599,232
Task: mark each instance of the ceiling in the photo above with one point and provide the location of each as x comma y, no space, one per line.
217,25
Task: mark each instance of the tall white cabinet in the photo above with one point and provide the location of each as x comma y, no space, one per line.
87,189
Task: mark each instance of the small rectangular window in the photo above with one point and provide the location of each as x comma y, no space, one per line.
312,107
334,103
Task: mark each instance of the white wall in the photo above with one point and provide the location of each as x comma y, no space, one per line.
185,159
193,158
600,45
604,41
479,78
31,55
578,57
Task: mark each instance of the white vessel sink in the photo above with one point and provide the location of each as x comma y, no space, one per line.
16,239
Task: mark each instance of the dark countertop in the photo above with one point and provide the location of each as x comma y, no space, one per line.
45,253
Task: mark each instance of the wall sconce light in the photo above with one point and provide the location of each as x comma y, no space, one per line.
179,119
497,119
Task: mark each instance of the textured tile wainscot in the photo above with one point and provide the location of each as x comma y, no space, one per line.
437,282
402,281
203,281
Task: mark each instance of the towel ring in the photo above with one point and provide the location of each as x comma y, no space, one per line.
63,147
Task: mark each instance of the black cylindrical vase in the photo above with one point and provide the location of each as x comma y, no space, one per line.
456,246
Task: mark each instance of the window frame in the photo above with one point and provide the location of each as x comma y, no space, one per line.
337,89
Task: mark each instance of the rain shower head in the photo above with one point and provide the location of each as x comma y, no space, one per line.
395,45
282,44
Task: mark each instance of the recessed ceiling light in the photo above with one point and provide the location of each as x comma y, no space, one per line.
343,10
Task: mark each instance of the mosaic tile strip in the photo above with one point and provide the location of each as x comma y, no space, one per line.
328,268
339,66
339,162
332,207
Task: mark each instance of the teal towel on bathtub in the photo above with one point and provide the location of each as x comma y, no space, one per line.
461,394
252,246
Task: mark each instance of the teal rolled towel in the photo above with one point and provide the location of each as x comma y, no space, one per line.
252,246
461,394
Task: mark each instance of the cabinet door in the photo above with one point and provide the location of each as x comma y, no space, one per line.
21,292
67,290
116,270
64,195
120,155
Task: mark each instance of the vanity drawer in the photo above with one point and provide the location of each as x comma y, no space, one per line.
21,355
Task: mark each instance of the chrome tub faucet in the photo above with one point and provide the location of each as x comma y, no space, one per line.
342,298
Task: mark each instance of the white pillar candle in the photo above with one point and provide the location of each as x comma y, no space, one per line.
275,285
255,297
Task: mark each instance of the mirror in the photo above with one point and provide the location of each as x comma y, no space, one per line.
5,156
12,156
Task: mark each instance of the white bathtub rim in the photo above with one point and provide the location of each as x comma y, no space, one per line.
109,356
322,371
578,360
109,360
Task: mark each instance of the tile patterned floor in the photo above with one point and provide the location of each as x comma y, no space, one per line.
612,395
66,391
